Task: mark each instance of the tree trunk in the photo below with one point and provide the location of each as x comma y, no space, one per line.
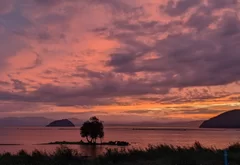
87,139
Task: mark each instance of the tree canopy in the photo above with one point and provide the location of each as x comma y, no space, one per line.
92,129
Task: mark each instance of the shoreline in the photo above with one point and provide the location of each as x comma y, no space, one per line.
10,144
110,143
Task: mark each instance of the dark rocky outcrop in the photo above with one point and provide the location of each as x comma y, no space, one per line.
61,123
229,119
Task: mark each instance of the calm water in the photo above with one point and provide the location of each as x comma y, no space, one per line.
30,137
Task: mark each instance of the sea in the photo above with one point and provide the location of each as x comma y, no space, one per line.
13,139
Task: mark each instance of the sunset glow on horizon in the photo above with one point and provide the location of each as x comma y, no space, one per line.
121,60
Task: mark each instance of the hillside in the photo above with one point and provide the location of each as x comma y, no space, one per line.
229,119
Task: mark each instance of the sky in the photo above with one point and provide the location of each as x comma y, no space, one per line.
121,60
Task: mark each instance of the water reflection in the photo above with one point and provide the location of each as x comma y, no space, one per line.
28,138
93,151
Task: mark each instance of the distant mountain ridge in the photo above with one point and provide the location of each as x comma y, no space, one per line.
24,121
31,121
229,119
42,122
189,124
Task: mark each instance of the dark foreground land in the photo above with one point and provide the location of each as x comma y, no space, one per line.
153,155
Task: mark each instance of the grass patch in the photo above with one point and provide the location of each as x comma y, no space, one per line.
152,155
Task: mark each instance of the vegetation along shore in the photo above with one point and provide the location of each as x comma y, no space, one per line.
153,155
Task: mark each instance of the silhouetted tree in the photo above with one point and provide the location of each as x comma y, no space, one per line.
92,129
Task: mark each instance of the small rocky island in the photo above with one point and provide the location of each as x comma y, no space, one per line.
229,119
61,123
91,129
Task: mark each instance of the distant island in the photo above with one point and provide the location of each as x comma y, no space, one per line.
61,123
91,129
111,143
229,119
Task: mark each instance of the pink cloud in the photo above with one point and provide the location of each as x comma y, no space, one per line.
115,53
